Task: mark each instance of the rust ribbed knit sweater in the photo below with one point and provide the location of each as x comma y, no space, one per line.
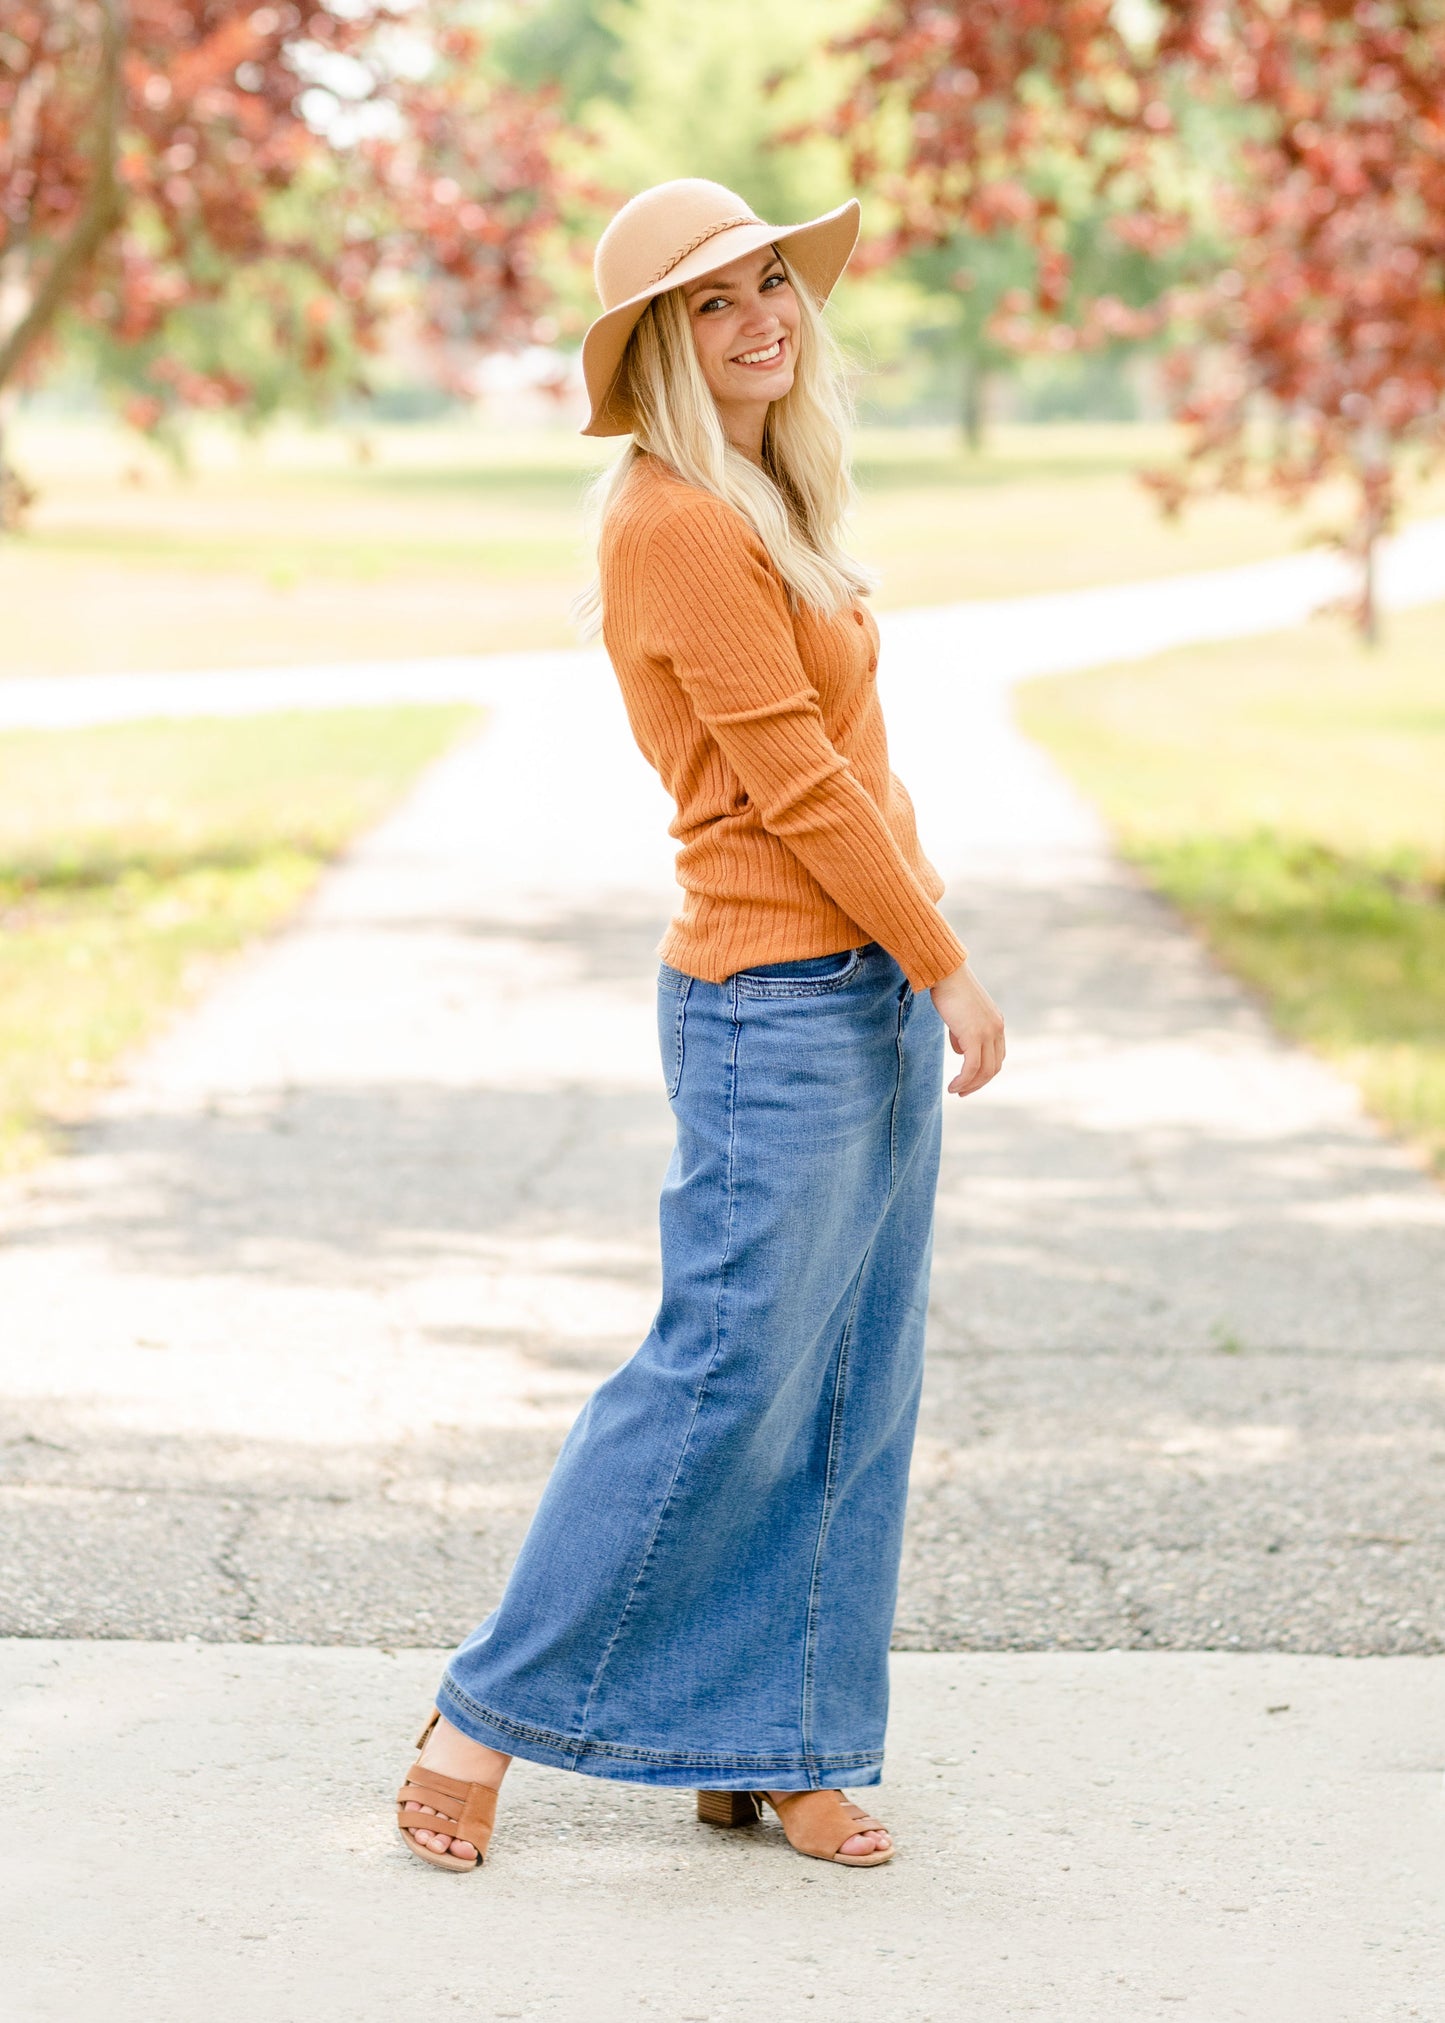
764,723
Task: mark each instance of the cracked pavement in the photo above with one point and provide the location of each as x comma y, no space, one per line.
289,1337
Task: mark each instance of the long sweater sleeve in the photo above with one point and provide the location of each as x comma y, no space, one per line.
713,607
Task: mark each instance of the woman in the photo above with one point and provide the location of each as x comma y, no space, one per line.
706,1593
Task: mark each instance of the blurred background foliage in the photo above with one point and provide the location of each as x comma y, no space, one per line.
645,90
663,88
318,400
1218,210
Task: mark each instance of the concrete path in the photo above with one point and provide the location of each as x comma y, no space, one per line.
289,1341
1086,1839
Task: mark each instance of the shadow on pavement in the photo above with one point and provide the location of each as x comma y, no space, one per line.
1184,1385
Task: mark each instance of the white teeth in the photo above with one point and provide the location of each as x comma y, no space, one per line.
757,357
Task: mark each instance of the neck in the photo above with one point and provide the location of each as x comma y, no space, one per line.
743,425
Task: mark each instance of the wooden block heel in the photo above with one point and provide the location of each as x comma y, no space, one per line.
817,1823
728,1808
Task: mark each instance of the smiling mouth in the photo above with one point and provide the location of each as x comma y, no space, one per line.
769,355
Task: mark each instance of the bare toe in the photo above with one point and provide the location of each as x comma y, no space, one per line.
429,1837
423,1835
873,1842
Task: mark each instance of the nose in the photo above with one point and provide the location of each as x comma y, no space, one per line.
760,319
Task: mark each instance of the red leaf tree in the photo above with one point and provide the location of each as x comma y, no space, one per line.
1310,137
345,158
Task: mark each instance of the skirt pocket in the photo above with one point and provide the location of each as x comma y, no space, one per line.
811,976
672,990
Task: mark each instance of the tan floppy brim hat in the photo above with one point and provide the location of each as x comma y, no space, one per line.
675,233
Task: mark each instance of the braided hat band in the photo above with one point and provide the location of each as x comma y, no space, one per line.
701,239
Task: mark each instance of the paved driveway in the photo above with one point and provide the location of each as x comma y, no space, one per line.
290,1339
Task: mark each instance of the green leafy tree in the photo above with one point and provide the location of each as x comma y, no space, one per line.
229,200
1327,312
653,89
567,46
707,91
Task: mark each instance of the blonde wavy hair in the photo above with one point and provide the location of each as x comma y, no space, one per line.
796,502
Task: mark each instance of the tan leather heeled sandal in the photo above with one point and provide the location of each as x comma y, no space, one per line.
816,1822
465,1811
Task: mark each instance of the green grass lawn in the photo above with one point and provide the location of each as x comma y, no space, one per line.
449,538
1288,794
133,857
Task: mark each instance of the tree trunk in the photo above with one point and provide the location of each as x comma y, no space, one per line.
1369,593
1375,478
99,215
973,412
16,497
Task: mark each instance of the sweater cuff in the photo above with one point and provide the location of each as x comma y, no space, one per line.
928,962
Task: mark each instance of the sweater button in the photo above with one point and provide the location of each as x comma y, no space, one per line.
873,665
858,615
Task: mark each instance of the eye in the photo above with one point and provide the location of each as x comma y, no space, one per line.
713,302
779,280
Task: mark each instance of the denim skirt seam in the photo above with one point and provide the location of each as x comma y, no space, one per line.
810,1635
702,1389
903,998
839,1395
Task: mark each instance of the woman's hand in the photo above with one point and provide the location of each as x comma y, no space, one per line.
975,1029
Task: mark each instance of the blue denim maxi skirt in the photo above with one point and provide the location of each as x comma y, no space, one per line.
706,1593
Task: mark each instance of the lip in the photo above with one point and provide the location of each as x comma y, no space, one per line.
765,364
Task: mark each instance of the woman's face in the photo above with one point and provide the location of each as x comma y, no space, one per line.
744,322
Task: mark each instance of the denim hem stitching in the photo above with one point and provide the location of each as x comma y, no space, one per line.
627,1752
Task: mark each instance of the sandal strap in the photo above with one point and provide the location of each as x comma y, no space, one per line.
465,1811
443,1787
818,1822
